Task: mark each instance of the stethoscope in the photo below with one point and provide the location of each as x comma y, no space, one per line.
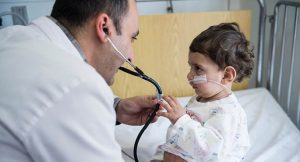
139,73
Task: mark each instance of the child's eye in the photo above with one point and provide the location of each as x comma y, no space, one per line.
197,69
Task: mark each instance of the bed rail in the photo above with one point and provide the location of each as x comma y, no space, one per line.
283,80
260,45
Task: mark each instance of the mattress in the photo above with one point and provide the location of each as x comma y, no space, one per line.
274,138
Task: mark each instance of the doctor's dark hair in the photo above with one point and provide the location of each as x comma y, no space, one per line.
75,13
226,45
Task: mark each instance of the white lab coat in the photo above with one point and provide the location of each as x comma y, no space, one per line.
53,106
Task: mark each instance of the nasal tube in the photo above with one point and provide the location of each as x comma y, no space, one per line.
200,79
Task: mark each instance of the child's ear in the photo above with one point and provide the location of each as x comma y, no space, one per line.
229,74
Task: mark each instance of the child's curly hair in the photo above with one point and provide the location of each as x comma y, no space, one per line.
226,45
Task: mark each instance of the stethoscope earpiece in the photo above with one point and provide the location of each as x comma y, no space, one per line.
105,30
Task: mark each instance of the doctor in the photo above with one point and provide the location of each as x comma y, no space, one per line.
55,101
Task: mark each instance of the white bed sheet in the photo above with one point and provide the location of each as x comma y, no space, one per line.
274,138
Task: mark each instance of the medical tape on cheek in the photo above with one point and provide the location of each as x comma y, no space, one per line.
199,79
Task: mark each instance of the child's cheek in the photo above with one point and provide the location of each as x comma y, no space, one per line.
201,89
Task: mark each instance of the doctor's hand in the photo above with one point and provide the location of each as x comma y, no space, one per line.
136,110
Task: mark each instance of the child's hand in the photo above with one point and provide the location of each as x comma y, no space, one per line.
174,110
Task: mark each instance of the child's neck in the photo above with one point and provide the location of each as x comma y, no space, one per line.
222,94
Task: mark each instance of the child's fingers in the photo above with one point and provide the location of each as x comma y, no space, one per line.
162,113
174,100
169,101
165,105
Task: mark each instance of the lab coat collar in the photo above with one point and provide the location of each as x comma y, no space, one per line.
55,34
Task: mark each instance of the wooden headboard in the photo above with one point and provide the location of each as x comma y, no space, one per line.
162,51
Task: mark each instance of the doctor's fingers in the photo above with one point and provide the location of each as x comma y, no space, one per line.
149,101
141,102
145,116
155,117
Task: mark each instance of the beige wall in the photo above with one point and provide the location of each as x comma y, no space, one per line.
162,50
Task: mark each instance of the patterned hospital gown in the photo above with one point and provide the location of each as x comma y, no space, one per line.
210,132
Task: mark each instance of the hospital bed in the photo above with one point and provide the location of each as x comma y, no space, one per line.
272,107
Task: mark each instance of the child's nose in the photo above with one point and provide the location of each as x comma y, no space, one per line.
190,76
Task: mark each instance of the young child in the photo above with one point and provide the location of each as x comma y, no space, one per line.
213,125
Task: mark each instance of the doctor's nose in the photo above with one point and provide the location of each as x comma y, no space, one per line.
130,56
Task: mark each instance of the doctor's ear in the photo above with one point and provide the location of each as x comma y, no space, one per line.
103,23
229,74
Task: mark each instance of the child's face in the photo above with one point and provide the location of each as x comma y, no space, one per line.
203,65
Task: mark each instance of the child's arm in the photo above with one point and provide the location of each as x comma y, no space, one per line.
210,141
